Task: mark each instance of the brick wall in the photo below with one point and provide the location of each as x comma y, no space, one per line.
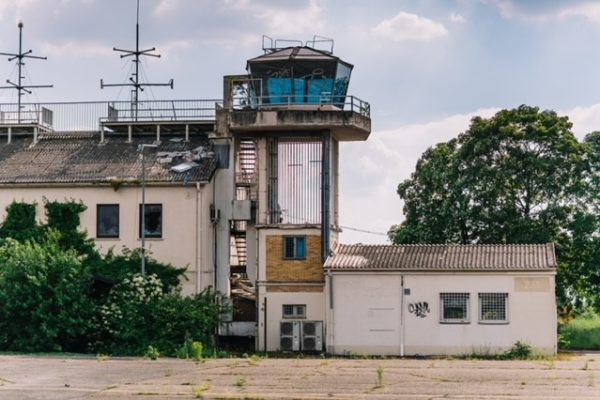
282,270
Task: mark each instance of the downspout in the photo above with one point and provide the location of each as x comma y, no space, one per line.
199,236
330,314
197,240
401,315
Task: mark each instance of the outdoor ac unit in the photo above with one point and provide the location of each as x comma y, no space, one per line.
289,336
312,335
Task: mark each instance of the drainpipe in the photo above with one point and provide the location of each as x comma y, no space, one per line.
402,316
198,240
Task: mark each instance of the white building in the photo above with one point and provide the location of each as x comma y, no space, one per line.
440,299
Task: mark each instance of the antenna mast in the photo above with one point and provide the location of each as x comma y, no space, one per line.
19,85
134,79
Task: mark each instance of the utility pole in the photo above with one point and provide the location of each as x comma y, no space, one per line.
141,148
134,79
19,85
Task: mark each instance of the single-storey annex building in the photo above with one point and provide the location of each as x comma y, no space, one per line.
440,299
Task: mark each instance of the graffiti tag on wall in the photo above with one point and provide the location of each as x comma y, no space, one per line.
420,309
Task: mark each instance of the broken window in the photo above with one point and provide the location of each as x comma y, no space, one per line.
294,247
152,220
107,221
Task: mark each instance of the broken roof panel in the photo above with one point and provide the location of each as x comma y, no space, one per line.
64,159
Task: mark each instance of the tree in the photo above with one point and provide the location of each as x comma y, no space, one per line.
513,178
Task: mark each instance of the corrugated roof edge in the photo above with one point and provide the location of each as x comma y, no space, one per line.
443,257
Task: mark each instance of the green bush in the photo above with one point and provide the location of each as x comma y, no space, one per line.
581,333
119,267
138,314
190,349
519,351
44,301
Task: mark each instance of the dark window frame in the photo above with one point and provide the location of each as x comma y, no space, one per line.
455,298
150,235
98,220
293,254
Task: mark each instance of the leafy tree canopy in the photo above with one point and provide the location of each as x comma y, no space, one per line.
512,178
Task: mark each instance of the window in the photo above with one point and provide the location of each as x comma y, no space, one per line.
454,307
107,221
152,220
294,311
294,247
492,307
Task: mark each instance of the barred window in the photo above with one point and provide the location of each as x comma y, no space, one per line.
294,311
454,307
493,307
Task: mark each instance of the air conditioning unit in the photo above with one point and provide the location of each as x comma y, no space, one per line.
312,335
289,336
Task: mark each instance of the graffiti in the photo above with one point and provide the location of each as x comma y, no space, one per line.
420,309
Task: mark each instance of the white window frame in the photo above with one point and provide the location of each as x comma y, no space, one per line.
500,295
445,296
298,311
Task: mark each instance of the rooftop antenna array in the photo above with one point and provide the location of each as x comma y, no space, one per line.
19,86
134,79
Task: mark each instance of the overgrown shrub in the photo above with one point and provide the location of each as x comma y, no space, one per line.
519,351
118,267
126,320
44,301
47,304
20,223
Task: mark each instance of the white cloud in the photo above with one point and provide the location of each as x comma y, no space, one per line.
456,18
371,171
585,119
166,6
283,21
590,11
405,26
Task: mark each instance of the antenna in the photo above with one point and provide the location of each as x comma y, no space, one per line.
134,79
19,85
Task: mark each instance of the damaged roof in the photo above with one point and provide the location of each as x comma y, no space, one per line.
450,257
81,158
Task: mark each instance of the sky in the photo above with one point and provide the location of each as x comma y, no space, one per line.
425,66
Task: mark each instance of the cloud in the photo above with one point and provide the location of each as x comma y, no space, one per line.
456,18
284,21
370,172
409,27
590,11
585,119
166,6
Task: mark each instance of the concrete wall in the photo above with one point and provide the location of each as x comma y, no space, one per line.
370,315
187,234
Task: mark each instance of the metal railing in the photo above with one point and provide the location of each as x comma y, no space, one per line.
324,101
87,116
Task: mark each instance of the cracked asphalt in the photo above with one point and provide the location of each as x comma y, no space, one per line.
573,376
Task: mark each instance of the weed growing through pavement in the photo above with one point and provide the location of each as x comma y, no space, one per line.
380,376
